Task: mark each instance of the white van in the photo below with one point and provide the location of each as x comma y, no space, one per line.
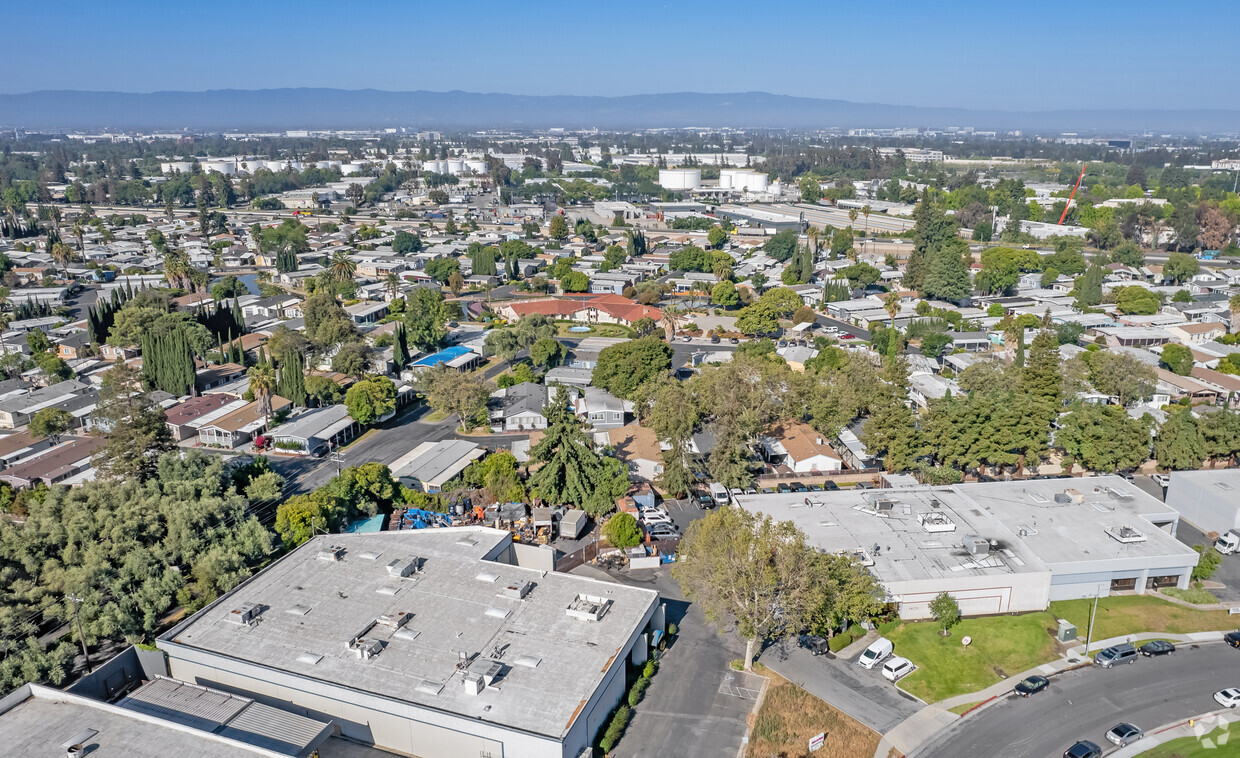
897,667
719,493
875,653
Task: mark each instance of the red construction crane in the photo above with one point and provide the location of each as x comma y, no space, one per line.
1074,189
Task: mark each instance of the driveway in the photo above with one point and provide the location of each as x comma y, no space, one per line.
696,706
863,694
1228,570
1085,703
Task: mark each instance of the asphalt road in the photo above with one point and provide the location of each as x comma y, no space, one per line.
1228,571
820,215
1084,704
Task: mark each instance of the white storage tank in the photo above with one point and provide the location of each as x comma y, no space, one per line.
352,168
227,166
745,179
435,167
478,167
680,178
456,167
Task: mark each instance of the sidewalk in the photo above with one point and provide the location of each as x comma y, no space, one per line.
921,726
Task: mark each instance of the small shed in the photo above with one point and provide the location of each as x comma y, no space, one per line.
573,524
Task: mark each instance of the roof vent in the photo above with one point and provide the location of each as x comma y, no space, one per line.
369,555
497,613
1074,496
1125,534
427,687
331,553
487,576
403,567
467,541
76,745
936,522
588,607
518,590
244,614
309,658
365,649
406,634
1122,496
527,661
298,610
387,589
976,545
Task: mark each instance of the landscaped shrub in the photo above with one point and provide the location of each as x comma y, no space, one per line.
839,642
649,669
856,630
615,730
887,627
638,691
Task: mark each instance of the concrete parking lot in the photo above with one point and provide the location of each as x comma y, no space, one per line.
1228,573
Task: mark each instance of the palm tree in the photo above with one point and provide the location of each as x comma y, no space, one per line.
670,318
891,304
1234,303
79,231
62,254
812,234
852,215
342,266
262,384
865,211
392,282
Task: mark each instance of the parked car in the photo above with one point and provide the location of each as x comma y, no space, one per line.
735,340
830,486
896,668
1115,655
815,645
799,487
663,532
1031,686
875,653
815,488
864,486
783,343
751,491
1162,479
1228,698
652,518
1124,734
1156,647
686,338
767,490
703,499
714,339
1232,638
1083,749
783,488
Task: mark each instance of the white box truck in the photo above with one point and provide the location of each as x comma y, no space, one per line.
1228,543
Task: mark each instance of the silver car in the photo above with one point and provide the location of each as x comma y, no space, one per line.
1124,734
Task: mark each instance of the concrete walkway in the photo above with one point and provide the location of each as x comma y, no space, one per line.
1199,727
918,728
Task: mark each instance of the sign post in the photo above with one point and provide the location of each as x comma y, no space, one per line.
816,742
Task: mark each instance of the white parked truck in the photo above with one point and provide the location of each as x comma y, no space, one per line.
1228,543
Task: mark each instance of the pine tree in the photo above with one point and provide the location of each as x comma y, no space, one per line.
400,349
891,431
1179,444
1020,349
239,316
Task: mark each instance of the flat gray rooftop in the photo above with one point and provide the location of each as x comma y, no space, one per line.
1087,527
38,726
886,526
1095,518
547,662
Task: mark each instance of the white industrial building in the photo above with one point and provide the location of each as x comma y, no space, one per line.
436,642
997,547
1209,500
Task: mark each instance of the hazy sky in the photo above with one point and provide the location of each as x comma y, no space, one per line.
995,54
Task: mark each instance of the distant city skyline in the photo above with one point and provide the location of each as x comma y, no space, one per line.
966,54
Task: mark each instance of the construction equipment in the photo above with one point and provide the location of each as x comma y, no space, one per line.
1068,205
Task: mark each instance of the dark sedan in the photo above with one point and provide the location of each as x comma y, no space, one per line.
1232,638
1157,647
1083,749
799,487
1031,686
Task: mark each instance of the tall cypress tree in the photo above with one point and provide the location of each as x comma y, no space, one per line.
400,349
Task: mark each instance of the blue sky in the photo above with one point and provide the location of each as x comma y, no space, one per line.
996,54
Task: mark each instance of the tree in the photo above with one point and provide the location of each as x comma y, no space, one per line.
890,432
547,351
1127,378
323,391
859,275
51,423
134,428
371,399
404,242
263,384
1179,444
1136,301
426,319
781,245
811,191
1128,253
1177,358
674,414
569,470
450,392
625,366
1088,286
622,531
1180,267
947,272
558,228
354,359
744,568
724,294
1103,438
945,610
575,281
716,237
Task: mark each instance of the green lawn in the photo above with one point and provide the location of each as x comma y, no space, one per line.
1132,614
961,710
1218,743
1001,646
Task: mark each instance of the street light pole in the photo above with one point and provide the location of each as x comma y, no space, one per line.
1089,635
81,636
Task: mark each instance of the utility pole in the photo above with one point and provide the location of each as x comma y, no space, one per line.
1089,635
81,636
337,458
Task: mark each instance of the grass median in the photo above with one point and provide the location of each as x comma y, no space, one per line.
1120,616
790,717
1000,646
1221,742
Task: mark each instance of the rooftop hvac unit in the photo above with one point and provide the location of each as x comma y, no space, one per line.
1062,498
1125,534
365,649
395,620
331,553
588,607
75,746
976,545
518,590
936,522
244,614
402,567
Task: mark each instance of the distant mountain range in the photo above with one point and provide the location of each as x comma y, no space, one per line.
307,108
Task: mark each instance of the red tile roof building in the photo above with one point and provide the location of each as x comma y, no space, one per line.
603,309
